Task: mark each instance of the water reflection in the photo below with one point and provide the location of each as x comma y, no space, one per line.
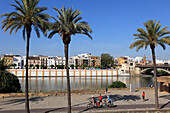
60,83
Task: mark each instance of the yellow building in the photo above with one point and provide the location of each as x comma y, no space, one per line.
121,60
8,59
95,61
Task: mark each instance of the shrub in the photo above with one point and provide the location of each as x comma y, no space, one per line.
117,84
9,83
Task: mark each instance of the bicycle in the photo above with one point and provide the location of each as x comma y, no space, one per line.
107,104
90,105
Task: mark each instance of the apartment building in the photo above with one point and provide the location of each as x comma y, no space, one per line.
128,67
95,61
73,60
12,59
60,60
8,59
32,61
43,60
121,60
85,59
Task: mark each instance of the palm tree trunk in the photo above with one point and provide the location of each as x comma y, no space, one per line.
68,78
155,79
26,79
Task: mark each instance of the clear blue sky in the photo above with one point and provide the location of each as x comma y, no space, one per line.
113,23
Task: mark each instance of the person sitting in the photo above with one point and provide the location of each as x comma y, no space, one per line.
93,100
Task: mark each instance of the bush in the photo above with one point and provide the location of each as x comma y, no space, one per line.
117,84
9,83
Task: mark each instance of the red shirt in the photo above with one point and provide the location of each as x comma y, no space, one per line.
100,97
143,94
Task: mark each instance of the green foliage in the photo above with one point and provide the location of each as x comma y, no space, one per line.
42,66
3,67
76,66
60,66
85,65
9,83
117,84
106,60
72,66
31,65
51,66
97,67
26,15
152,37
68,23
162,72
36,65
13,65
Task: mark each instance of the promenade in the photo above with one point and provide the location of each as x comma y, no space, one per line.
123,99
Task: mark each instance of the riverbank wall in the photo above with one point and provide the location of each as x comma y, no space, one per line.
62,72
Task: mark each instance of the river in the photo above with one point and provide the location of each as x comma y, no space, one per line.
38,84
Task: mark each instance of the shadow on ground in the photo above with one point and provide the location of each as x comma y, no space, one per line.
166,104
21,101
165,97
121,97
52,110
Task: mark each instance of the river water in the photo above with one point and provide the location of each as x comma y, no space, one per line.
37,84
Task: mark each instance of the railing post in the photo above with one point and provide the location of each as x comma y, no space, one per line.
106,77
62,73
79,73
43,72
36,72
56,72
22,72
74,73
30,72
15,72
112,75
116,75
49,72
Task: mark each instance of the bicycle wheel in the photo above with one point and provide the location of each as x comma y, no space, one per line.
88,106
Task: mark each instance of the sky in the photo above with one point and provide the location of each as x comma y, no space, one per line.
113,23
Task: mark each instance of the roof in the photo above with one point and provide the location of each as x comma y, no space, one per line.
34,58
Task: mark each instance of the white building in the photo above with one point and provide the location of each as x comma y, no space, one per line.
73,60
51,61
17,61
128,67
138,59
60,60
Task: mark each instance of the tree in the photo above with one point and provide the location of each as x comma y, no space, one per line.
42,66
76,66
13,65
51,66
31,65
106,60
26,16
72,66
85,65
67,25
9,83
152,37
37,65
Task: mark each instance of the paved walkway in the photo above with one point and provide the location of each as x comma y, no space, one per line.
124,99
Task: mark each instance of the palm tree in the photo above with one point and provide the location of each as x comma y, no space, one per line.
26,16
67,25
152,37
